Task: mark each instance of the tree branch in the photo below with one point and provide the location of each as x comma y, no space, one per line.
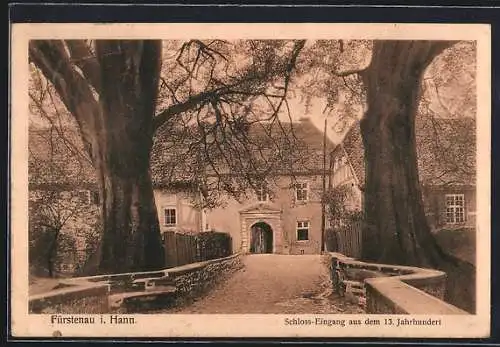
178,108
348,72
194,101
224,89
54,63
82,57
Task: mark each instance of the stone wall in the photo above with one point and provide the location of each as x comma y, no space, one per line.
391,288
74,299
196,279
97,294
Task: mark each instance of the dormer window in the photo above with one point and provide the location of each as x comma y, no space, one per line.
84,196
301,191
262,194
338,163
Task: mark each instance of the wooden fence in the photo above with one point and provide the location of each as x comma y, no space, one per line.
345,239
181,249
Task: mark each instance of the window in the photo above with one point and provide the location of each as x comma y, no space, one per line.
84,196
455,208
170,217
262,194
302,230
301,191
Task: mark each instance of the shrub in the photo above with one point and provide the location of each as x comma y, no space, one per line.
213,245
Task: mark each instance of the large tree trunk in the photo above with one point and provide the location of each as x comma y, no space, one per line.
396,230
129,83
117,129
131,239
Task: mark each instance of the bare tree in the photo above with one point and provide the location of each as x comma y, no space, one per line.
112,88
57,213
49,214
382,81
389,84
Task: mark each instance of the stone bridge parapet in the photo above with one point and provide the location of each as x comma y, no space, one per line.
132,291
384,288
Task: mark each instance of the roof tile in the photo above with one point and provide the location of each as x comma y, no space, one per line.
446,150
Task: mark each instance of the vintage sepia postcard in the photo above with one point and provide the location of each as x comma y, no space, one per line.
250,180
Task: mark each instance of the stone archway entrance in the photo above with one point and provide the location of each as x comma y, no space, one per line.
270,217
261,238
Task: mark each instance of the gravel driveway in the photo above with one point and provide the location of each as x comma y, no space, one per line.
279,284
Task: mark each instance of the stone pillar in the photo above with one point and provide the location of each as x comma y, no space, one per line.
244,236
278,237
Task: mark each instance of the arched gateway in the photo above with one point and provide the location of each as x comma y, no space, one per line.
261,229
261,238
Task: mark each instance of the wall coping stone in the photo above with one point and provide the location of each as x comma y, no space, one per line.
69,291
398,291
408,299
77,287
180,270
67,294
131,276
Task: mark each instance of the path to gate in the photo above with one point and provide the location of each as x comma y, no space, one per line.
272,283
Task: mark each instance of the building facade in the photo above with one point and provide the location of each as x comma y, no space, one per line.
282,216
446,164
63,196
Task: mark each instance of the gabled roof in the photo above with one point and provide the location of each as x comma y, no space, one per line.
353,146
175,158
57,157
446,150
54,157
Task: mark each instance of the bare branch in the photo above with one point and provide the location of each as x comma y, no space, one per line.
224,89
348,72
82,57
68,143
55,64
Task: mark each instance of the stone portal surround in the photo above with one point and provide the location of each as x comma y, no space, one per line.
259,214
392,288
